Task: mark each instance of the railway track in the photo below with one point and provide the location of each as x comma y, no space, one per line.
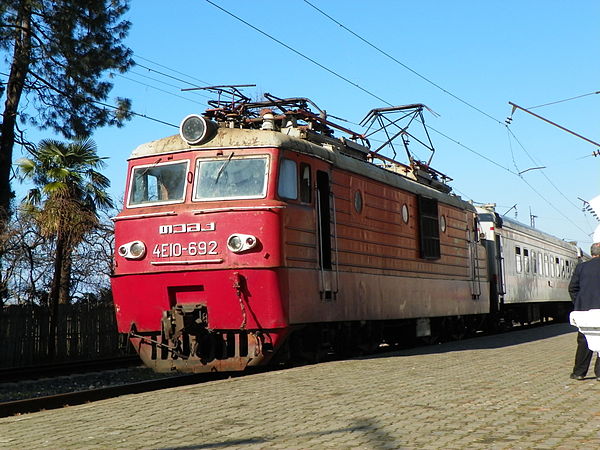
31,405
35,404
14,374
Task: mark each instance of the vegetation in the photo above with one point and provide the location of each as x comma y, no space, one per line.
59,54
63,204
28,264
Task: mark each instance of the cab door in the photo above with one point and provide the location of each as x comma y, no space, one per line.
327,237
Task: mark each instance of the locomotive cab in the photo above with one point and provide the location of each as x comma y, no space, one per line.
198,252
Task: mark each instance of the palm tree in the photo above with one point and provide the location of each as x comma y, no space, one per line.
68,191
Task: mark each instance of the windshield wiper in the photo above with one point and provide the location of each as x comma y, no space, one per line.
222,168
147,169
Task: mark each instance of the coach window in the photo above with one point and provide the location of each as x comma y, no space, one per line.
518,259
546,264
539,263
568,268
557,262
288,179
551,258
533,262
526,259
305,184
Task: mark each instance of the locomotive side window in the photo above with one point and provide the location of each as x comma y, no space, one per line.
430,228
157,184
305,183
405,213
231,178
288,179
518,259
358,202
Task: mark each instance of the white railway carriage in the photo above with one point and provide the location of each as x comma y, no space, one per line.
529,270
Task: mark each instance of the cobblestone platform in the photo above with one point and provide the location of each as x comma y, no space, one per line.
505,391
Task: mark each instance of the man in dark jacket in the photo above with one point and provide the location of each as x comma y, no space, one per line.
584,289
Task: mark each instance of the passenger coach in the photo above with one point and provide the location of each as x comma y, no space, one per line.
529,270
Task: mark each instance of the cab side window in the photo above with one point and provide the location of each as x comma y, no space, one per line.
305,183
288,179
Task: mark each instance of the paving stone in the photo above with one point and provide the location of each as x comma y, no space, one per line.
505,391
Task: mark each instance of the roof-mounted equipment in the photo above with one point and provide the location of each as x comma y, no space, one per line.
195,129
397,120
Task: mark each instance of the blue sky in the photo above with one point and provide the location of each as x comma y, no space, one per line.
485,53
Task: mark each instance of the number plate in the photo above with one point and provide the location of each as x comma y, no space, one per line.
176,249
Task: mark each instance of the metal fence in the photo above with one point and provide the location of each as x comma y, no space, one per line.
83,332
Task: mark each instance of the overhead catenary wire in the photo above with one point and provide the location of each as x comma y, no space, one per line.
541,171
378,49
116,108
552,206
383,52
156,88
138,56
388,103
171,77
324,68
345,79
564,100
179,88
299,53
145,116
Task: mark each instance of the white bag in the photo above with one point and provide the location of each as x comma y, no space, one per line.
588,323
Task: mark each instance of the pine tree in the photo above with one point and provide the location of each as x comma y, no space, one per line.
60,55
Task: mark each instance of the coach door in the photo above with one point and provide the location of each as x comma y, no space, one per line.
474,263
500,286
327,238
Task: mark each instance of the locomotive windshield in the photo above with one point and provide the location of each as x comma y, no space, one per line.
231,178
158,183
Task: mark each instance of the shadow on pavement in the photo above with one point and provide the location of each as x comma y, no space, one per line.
500,340
377,438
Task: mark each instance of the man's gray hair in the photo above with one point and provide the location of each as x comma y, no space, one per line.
595,249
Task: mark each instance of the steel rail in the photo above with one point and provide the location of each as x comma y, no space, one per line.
13,374
56,401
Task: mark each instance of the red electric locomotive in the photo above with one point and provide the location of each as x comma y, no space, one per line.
256,232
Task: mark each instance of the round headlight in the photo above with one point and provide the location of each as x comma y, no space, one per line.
137,249
234,243
133,250
239,243
195,129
